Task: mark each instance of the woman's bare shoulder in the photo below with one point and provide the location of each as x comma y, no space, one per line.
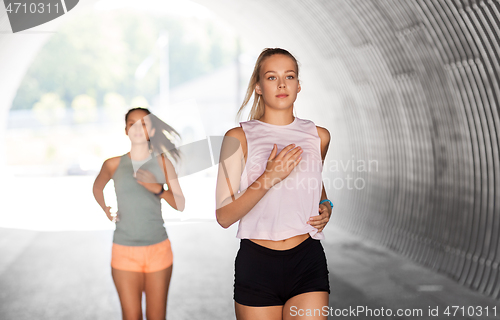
323,133
111,164
238,133
109,167
113,160
233,139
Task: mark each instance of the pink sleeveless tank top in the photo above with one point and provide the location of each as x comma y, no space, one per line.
284,210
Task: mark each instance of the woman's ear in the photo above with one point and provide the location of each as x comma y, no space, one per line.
257,89
298,87
151,132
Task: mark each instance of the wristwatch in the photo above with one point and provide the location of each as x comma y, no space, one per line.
161,191
326,200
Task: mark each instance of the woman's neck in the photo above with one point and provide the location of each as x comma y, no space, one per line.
280,118
139,152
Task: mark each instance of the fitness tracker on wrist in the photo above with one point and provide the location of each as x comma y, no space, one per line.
161,191
326,200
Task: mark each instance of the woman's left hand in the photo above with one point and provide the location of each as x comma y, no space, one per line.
148,181
319,222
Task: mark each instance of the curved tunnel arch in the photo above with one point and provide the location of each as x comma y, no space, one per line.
413,86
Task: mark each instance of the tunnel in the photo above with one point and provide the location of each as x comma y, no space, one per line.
409,90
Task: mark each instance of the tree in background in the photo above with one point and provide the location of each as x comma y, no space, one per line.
98,53
114,106
139,102
84,109
50,109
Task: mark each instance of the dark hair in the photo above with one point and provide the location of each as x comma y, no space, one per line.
258,104
164,135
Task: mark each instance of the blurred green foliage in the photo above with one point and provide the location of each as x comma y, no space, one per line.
85,109
50,109
98,53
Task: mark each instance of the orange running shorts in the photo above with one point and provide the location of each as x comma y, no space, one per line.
150,258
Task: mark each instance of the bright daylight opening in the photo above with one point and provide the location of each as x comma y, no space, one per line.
175,57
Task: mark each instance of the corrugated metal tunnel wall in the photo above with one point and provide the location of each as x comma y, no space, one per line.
435,81
418,82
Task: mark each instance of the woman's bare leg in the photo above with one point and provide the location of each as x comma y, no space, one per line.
156,287
129,285
261,313
307,305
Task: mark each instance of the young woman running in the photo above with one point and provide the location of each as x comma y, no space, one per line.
141,259
270,181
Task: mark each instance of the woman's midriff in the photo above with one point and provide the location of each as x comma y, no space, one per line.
282,244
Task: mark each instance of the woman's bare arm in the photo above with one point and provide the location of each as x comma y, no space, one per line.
107,170
324,135
100,182
173,195
325,210
231,204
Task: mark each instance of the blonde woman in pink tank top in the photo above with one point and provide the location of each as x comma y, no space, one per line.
270,182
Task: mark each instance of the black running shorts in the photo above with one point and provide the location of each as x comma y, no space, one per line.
267,277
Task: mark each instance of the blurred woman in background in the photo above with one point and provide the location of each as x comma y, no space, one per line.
142,257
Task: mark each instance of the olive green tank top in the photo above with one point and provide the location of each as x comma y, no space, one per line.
140,221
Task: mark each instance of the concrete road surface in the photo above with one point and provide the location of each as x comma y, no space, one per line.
66,275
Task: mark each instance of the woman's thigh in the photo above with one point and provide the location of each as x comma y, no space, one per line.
156,286
262,313
129,285
310,306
